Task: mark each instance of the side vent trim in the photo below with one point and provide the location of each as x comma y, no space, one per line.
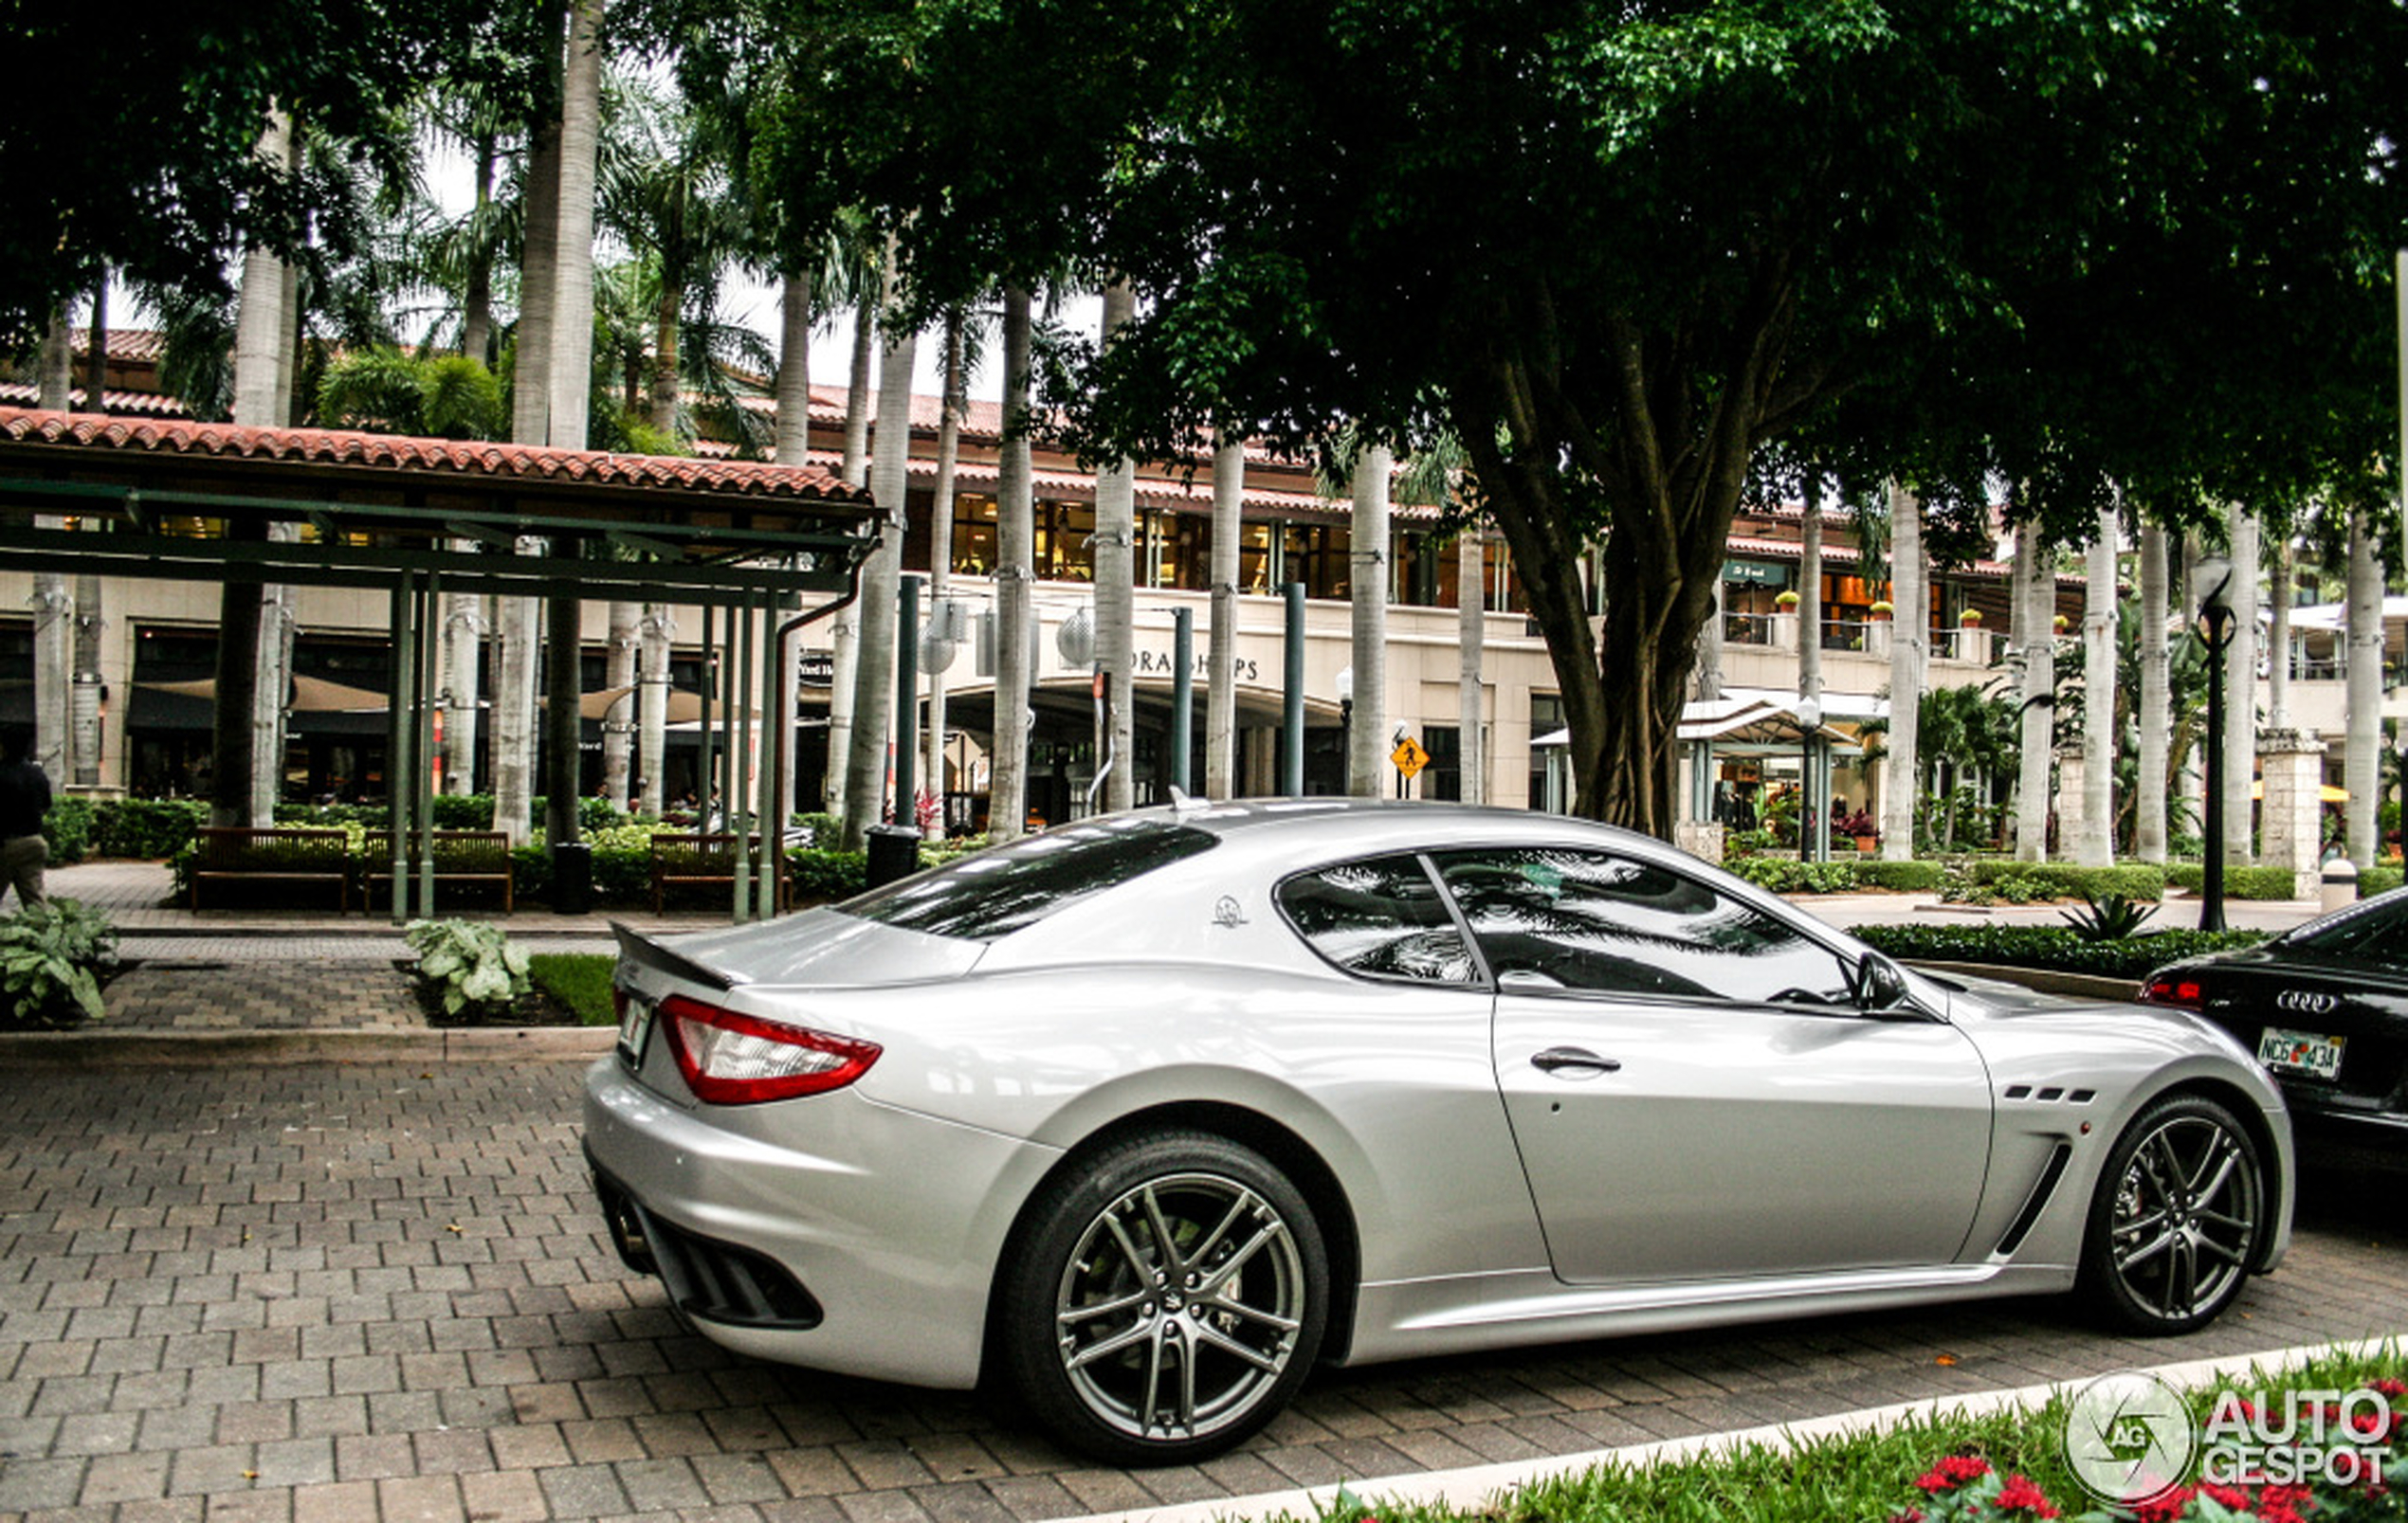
2051,1172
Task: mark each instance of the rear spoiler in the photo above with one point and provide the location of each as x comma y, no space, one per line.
638,948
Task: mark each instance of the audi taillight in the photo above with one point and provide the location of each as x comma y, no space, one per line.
2167,988
730,1059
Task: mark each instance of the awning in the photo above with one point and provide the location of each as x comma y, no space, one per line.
310,695
683,707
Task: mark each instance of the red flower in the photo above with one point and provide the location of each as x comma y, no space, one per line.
2390,1386
2019,1495
2167,1508
1954,1471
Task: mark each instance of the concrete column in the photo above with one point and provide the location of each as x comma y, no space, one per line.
1785,629
2291,815
2067,803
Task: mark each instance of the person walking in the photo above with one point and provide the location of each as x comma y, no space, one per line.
24,798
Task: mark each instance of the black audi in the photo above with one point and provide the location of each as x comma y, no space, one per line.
2324,1007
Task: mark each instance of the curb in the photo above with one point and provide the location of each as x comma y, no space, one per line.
1489,1486
88,1049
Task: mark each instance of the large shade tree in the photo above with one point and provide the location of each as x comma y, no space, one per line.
1619,249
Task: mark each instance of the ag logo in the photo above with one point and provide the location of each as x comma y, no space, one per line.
2129,1438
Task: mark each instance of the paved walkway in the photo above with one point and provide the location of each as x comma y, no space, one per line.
380,1292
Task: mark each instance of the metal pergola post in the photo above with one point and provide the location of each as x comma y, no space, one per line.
422,790
397,742
739,760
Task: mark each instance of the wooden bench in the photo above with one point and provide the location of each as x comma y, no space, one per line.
461,856
244,854
680,861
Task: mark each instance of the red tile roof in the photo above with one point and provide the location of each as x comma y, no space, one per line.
343,447
139,404
137,345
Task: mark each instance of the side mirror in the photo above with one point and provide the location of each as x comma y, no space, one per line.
1879,983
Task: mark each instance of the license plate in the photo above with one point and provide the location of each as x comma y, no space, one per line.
2300,1052
635,1023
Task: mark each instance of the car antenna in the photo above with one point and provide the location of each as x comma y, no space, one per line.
1182,803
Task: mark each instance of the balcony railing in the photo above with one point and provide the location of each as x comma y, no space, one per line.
1748,628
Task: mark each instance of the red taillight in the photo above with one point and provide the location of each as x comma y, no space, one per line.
2163,989
740,1059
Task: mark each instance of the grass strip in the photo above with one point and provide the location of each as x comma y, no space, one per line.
580,980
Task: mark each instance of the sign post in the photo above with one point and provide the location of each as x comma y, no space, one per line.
1410,759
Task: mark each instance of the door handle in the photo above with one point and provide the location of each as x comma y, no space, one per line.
1574,1063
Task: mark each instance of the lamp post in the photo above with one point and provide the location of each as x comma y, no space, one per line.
1346,725
1809,719
2215,577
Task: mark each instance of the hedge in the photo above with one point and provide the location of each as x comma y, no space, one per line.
2375,881
145,828
1905,877
2059,947
2133,881
2239,882
67,828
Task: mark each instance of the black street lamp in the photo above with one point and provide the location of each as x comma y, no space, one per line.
1811,828
2214,574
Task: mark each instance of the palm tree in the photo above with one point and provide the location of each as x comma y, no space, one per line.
1367,600
2093,838
1906,669
1115,586
874,653
1015,563
1220,687
2364,679
2155,724
2036,598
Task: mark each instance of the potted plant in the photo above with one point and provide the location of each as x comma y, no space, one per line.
1883,609
1970,619
1786,601
1861,826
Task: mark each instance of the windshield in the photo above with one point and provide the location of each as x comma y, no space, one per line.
995,893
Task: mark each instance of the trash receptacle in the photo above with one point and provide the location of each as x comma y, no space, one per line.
572,878
894,853
2341,883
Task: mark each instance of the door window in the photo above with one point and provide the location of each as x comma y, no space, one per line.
1382,917
1593,920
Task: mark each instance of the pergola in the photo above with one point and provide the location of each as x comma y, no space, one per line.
416,518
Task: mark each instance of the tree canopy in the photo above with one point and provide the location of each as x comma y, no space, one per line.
1620,248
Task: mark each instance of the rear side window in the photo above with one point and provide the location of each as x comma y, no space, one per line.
1382,917
995,893
2375,933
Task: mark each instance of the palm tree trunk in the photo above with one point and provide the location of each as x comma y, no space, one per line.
2094,841
1810,647
1220,686
666,321
238,767
845,659
2240,689
874,652
1115,587
617,724
793,443
1015,559
2148,802
1471,630
2036,639
2363,681
463,631
2278,637
514,706
956,407
1909,633
572,288
476,306
652,672
53,622
1367,742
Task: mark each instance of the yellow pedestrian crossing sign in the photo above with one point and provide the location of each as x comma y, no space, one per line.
1409,758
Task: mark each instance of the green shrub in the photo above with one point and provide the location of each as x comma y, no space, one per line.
938,853
463,811
1786,874
470,963
1746,843
1904,877
53,958
68,829
145,829
2239,882
2375,881
820,875
2108,917
2055,947
2144,882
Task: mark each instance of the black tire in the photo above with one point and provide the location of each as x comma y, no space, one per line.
2176,1220
1138,1357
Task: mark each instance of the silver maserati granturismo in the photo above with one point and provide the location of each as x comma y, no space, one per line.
1137,1120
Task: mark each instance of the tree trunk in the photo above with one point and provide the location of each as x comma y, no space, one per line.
1016,557
1115,587
618,723
874,651
241,769
652,672
1471,628
1910,634
2278,637
514,706
2240,696
793,441
2155,784
666,321
2094,840
2035,637
463,642
1810,654
562,678
1220,683
845,659
956,409
1367,743
53,621
573,289
2364,679
476,306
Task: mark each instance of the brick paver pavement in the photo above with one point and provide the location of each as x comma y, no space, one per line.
379,1292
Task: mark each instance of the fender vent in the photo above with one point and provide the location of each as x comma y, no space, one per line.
2050,1094
2037,1201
